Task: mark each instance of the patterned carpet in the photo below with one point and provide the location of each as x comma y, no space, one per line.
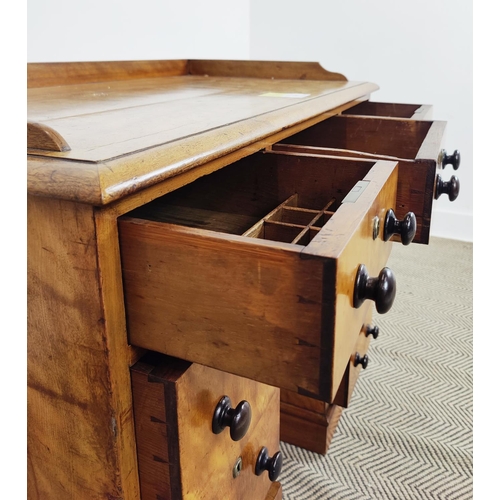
408,431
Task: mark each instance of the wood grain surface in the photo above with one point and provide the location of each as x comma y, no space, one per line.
263,69
70,73
309,430
179,455
45,138
77,422
128,134
106,120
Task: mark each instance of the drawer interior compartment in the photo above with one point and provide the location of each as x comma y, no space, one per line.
256,277
277,197
174,403
415,144
405,139
391,110
290,223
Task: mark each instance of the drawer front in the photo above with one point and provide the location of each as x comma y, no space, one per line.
415,143
357,362
179,455
259,305
351,374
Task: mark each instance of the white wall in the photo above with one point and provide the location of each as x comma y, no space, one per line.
107,30
417,52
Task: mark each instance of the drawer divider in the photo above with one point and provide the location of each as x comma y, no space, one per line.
290,223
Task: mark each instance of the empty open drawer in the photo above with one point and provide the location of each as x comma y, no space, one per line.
391,110
254,269
415,144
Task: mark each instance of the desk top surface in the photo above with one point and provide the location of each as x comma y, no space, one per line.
106,138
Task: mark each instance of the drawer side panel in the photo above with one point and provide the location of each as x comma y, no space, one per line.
226,303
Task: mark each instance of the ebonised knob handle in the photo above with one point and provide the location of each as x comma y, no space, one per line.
361,360
238,419
453,159
272,464
382,289
372,330
451,188
406,228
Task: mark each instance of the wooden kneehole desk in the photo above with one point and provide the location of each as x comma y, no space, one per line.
200,230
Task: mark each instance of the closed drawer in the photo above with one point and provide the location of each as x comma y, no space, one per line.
357,362
253,270
179,455
391,110
415,143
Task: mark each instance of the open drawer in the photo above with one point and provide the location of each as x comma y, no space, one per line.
391,110
415,144
256,269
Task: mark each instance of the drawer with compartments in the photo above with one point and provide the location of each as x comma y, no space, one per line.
264,269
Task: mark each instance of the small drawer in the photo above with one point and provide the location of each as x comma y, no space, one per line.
224,273
179,455
351,374
415,144
391,110
357,362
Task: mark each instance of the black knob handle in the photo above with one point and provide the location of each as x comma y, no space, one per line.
361,360
453,159
238,419
451,188
406,228
382,290
372,330
272,464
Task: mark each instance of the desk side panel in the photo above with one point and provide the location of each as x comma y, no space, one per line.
72,427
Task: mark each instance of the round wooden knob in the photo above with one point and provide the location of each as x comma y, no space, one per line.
451,188
361,360
453,159
406,228
382,289
237,419
372,330
272,464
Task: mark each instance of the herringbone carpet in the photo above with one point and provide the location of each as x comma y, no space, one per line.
408,431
